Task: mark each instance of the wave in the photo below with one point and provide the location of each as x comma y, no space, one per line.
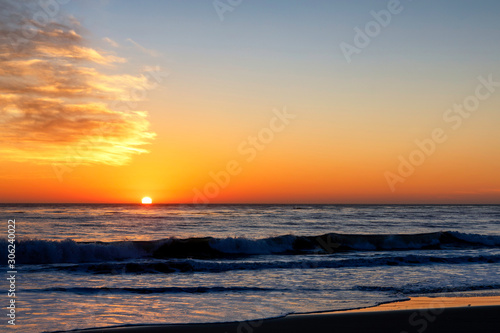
152,290
144,266
406,289
69,251
422,290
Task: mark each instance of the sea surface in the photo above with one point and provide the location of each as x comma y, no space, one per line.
85,266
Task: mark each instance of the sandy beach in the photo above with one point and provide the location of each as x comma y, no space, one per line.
420,314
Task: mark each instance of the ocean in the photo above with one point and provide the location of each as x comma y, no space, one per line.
94,265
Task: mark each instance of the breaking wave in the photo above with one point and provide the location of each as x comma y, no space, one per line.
68,251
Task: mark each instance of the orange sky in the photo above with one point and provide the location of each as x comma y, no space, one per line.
89,114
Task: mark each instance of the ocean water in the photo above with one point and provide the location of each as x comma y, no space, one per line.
85,266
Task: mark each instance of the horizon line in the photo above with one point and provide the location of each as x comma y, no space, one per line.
253,203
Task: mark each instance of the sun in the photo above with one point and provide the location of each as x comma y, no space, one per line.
146,201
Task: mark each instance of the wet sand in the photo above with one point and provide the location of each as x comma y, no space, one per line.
420,314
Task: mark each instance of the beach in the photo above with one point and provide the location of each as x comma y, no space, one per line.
420,314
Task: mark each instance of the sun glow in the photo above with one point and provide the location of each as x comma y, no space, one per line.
146,201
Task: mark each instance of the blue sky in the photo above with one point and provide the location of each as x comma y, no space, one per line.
226,77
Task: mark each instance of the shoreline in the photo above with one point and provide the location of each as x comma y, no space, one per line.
418,314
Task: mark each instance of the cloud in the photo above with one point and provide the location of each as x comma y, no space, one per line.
57,95
150,52
111,42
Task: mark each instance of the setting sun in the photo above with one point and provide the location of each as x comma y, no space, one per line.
147,201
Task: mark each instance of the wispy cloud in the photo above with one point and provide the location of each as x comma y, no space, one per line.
111,42
150,52
54,95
